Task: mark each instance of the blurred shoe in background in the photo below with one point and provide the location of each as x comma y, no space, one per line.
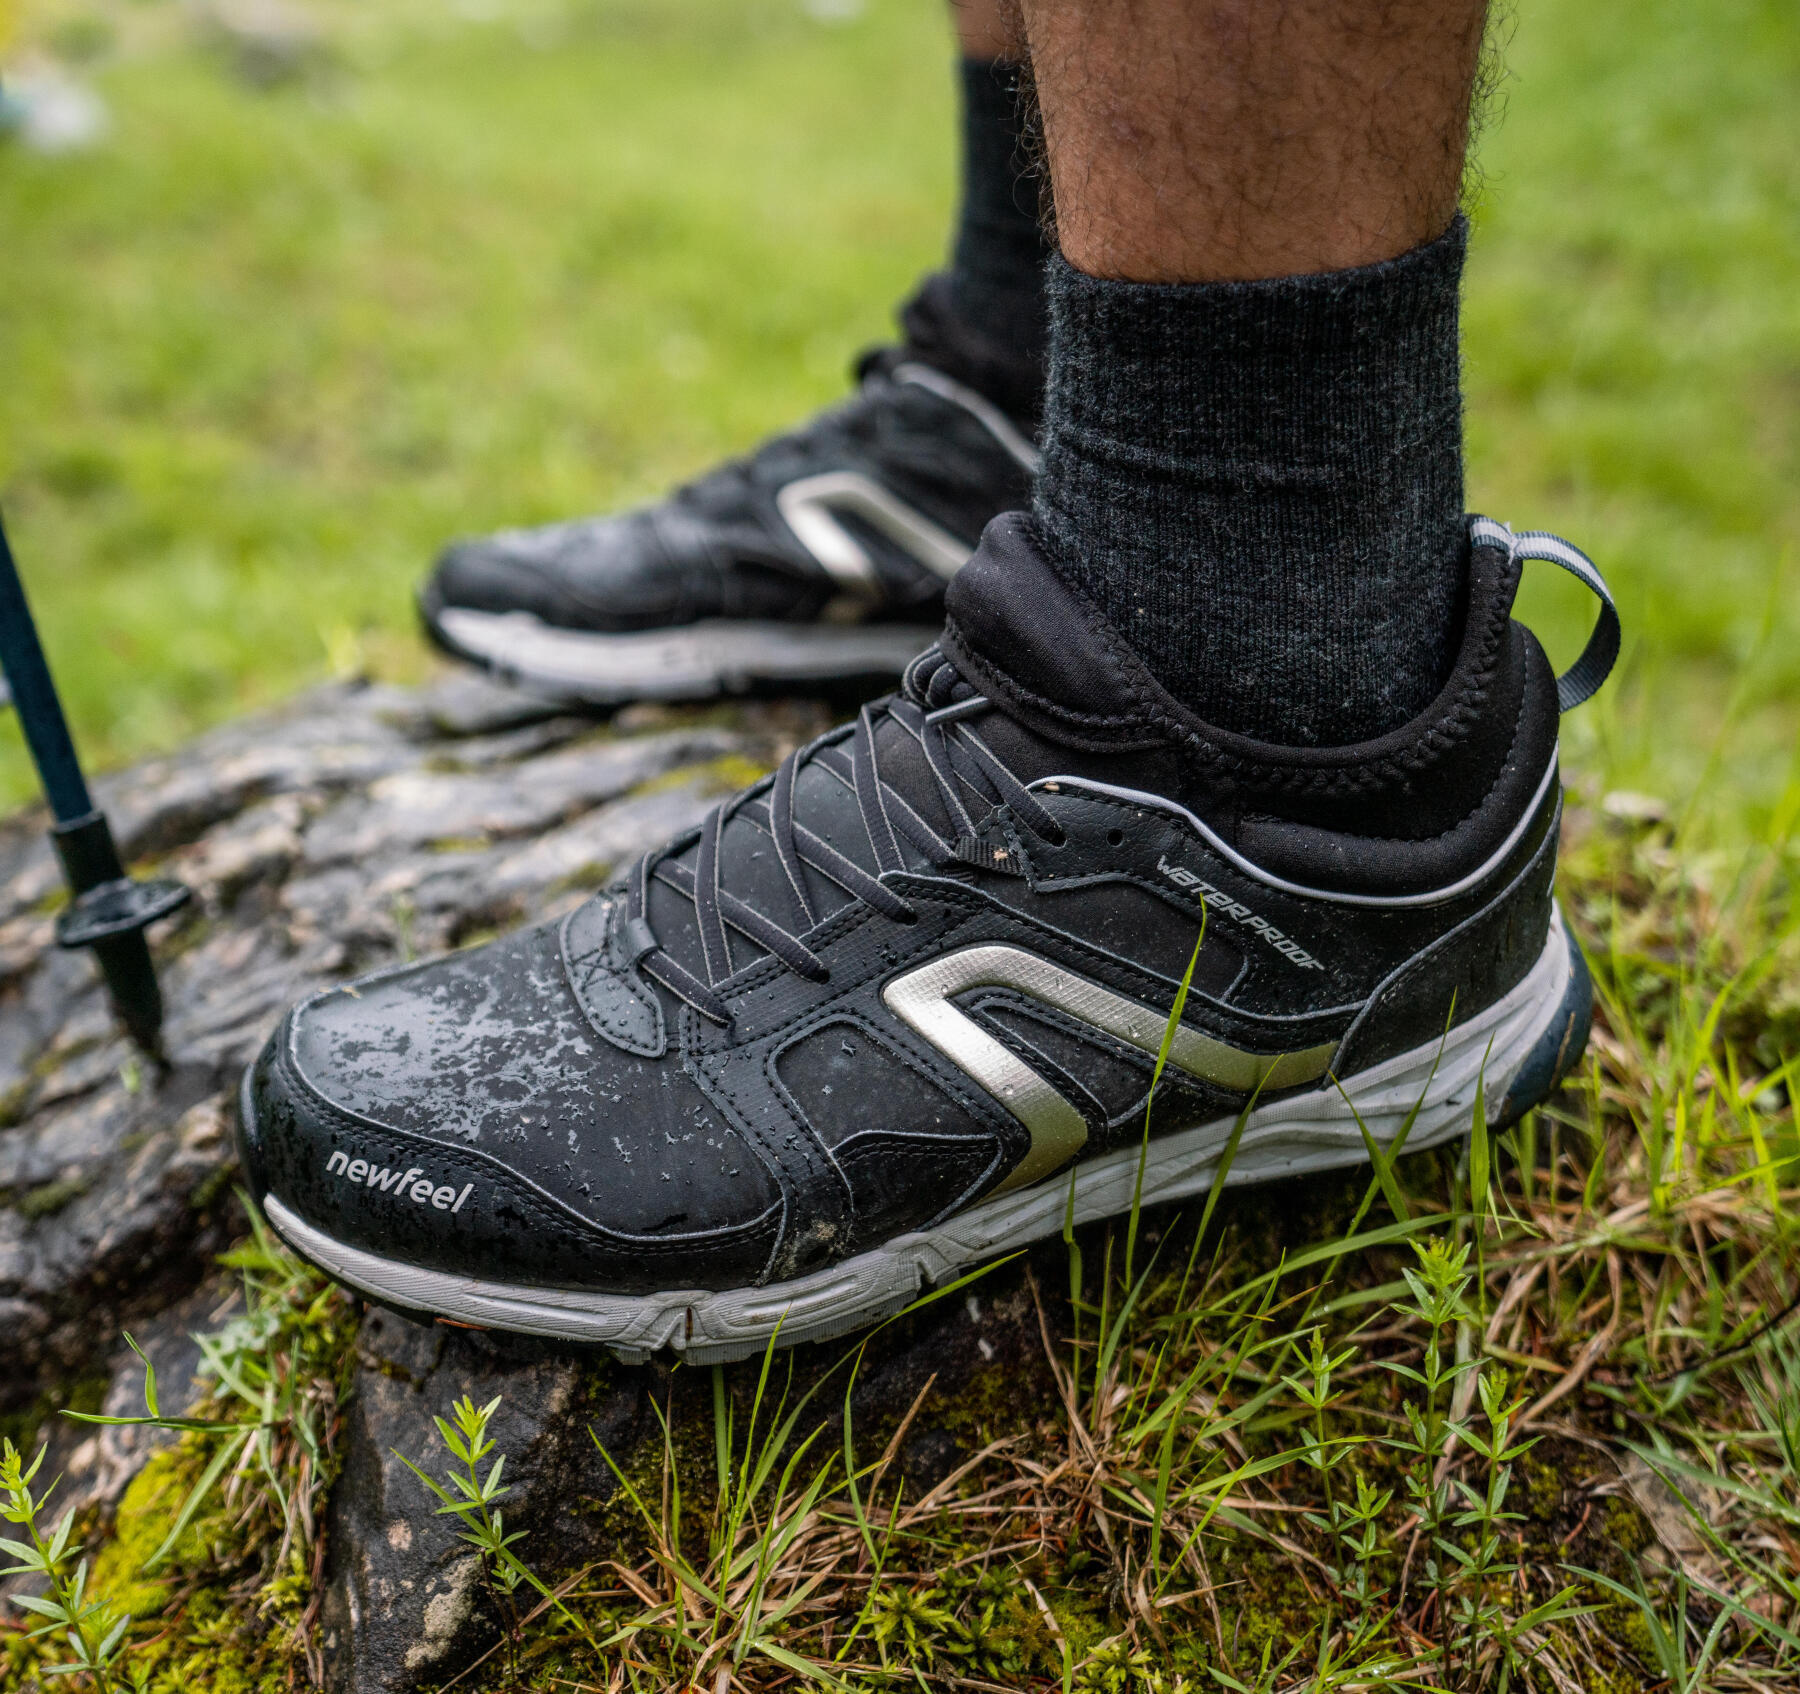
822,557
819,558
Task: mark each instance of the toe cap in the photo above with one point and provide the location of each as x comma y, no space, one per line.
513,571
463,1115
606,574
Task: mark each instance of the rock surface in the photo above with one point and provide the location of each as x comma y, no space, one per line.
404,1607
403,1603
357,826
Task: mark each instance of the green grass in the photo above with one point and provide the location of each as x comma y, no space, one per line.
1367,1433
264,350
267,351
1633,340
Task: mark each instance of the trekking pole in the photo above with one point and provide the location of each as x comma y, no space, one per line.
108,910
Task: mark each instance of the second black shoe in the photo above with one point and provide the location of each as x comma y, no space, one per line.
820,558
897,1008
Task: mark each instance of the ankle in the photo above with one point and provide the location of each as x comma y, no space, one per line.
1260,484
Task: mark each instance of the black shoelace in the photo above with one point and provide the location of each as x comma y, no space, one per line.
935,709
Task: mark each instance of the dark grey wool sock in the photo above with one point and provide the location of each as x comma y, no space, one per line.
1260,484
998,254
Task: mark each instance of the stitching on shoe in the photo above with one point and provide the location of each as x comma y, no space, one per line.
591,964
900,1140
802,1166
1137,981
899,1043
1390,991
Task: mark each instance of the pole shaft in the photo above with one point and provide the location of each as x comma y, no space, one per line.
34,698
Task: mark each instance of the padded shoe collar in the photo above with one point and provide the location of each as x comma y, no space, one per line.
1040,649
1027,638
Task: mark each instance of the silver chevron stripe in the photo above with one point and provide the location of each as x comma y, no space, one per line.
810,506
922,999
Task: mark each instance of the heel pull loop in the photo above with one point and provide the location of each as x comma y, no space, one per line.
1582,680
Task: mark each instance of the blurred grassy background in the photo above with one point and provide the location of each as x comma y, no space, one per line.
340,283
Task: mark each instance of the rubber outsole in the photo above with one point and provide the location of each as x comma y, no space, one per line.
1515,1052
691,662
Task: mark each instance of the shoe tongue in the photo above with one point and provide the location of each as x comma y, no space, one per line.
1026,639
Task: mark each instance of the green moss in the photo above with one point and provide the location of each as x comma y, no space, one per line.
217,1651
1626,1625
1544,1485
146,1513
212,1186
197,1634
49,1198
1271,1608
691,1444
1117,1667
13,1101
54,1058
583,878
1626,1528
191,928
18,1657
723,775
987,1405
192,1637
217,1615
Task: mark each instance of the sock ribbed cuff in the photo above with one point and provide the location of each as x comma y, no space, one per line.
1260,484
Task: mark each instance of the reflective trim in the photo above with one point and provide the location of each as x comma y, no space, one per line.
809,507
983,410
681,662
1433,897
922,999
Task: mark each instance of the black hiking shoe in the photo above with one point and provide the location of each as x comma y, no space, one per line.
821,558
884,1011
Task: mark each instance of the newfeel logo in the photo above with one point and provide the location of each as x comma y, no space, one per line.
412,1184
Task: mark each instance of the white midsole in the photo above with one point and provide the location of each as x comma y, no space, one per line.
696,659
1308,1132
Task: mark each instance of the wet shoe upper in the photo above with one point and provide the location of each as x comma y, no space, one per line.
931,958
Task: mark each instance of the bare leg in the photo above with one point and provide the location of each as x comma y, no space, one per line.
1210,140
1253,430
989,29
